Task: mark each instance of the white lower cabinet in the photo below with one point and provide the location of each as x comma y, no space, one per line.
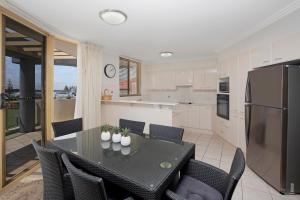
195,116
205,117
193,113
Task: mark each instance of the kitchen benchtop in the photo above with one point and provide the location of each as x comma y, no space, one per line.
140,102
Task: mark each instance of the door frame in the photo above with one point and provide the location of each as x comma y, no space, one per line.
48,88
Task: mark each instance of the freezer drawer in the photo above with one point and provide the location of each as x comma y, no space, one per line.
264,143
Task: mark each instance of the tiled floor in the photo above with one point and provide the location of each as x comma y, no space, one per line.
210,149
217,152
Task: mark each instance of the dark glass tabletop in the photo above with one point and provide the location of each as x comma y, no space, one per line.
146,161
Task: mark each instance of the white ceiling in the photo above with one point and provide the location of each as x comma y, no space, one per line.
190,28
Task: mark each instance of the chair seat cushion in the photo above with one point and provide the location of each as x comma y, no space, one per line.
193,189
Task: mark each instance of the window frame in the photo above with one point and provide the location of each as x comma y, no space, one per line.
138,76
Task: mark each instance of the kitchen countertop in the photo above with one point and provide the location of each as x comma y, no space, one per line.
141,102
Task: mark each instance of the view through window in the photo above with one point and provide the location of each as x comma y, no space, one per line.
65,82
129,77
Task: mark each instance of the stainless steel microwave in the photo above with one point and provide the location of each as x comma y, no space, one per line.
224,85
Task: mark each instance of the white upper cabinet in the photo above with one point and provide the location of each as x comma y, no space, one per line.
199,79
151,80
161,80
184,77
286,48
224,68
205,79
261,55
167,80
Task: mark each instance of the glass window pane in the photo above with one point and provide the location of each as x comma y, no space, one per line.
123,76
65,82
133,79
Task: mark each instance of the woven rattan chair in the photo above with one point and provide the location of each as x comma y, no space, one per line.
56,180
203,181
86,186
168,133
134,126
67,127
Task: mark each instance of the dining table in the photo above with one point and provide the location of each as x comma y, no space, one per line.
145,168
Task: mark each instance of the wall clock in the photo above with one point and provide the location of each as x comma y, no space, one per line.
110,71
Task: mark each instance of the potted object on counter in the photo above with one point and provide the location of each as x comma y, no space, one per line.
125,139
116,135
105,132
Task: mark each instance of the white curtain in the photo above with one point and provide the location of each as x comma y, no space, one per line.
89,78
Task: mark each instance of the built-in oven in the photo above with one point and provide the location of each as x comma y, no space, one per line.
224,85
223,105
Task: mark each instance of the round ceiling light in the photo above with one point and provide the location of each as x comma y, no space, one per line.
166,54
113,17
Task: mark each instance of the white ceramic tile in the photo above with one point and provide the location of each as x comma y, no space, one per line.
279,196
212,162
225,166
252,194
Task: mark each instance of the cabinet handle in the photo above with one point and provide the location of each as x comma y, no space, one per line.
276,59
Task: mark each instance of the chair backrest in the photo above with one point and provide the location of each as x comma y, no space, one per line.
67,127
134,126
52,172
86,186
169,133
236,172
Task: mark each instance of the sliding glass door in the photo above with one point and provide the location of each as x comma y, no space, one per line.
22,97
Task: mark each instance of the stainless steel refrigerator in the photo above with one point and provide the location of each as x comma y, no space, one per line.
272,122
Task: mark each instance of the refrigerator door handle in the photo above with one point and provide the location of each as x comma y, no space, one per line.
248,90
247,122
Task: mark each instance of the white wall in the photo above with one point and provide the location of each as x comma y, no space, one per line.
112,84
181,94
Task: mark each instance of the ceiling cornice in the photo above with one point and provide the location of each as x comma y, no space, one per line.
289,9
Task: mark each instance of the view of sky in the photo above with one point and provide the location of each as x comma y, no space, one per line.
63,75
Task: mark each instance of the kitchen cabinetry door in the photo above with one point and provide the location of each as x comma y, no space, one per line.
193,117
286,49
161,80
261,56
205,79
184,77
210,80
152,81
198,80
166,80
224,67
205,117
242,73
